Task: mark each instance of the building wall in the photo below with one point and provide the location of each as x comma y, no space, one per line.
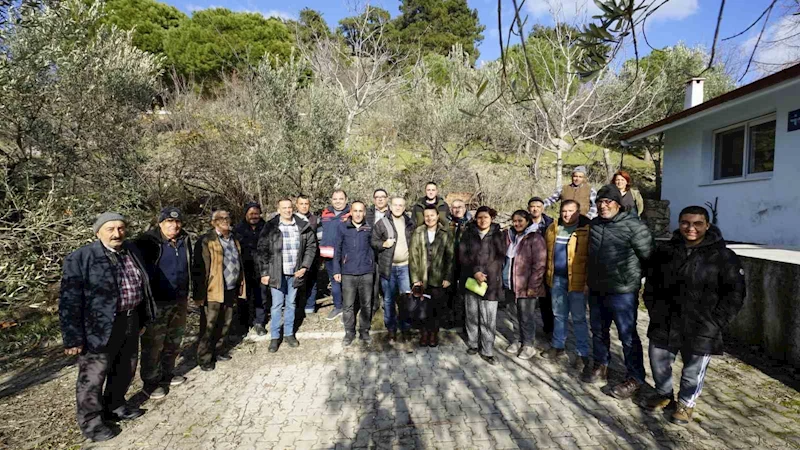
763,211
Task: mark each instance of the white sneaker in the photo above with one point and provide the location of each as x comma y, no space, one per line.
514,348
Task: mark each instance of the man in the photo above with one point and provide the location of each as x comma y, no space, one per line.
579,190
379,208
431,267
219,280
303,206
105,300
459,220
482,253
391,238
567,253
353,266
431,198
619,244
330,221
167,253
543,221
695,287
286,250
247,233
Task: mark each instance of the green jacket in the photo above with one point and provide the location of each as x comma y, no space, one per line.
617,250
440,267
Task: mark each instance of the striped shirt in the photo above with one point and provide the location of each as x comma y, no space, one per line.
560,258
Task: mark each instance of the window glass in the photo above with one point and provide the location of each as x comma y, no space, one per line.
762,147
729,154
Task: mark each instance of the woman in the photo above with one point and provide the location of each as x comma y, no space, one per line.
523,274
431,267
481,252
631,198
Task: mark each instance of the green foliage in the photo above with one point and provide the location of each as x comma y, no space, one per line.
435,26
218,41
149,19
310,27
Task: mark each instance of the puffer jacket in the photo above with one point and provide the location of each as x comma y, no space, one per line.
617,249
527,271
380,234
485,255
439,268
692,294
577,254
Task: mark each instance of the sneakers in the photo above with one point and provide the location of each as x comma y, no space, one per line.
336,312
553,353
154,391
273,345
659,402
260,330
514,348
348,339
292,341
527,352
207,367
126,413
472,351
489,359
626,389
223,357
594,373
310,311
103,433
682,414
175,380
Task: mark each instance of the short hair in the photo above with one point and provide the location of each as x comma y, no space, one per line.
570,202
216,213
284,199
522,213
397,198
354,202
428,207
492,213
339,190
695,210
458,200
304,197
431,183
624,174
379,190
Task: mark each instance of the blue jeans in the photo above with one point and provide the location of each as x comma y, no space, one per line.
285,296
310,289
336,287
623,310
398,282
567,303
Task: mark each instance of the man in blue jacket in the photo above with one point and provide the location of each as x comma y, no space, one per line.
354,267
105,301
329,221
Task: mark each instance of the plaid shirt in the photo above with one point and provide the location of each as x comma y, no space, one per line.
230,261
129,279
291,245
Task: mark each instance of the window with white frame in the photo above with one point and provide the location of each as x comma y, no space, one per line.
745,150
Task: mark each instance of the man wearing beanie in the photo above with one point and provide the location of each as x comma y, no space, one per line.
247,232
619,244
167,253
105,300
579,190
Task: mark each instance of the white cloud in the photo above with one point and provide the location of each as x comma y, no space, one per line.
284,15
585,9
675,10
779,47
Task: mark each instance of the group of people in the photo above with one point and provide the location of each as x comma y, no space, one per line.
434,264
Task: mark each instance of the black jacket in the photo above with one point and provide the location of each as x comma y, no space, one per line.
248,239
617,250
270,251
380,234
485,255
692,295
89,295
545,223
369,217
150,244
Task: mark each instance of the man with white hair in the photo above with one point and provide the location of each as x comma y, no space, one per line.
579,190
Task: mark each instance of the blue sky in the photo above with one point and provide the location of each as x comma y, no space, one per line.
690,21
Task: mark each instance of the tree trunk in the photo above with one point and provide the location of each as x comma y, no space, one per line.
608,163
351,117
559,166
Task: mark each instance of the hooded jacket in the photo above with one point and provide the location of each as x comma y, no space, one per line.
617,249
528,266
380,234
439,268
270,252
419,207
151,245
485,255
693,293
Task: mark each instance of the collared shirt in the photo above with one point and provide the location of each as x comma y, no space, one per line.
380,215
230,261
291,245
129,279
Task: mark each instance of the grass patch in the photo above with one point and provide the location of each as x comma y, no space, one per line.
32,330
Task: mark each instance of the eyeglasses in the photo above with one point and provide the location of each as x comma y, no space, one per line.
605,202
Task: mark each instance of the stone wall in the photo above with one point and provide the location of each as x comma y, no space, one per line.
656,216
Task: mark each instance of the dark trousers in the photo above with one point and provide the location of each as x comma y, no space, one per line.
309,291
357,286
215,321
546,309
435,308
258,298
114,366
622,309
161,342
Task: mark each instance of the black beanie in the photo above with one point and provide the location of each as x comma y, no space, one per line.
170,212
610,192
251,205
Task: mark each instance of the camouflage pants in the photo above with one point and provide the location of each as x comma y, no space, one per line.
114,366
161,342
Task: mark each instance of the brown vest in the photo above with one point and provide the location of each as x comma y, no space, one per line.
581,194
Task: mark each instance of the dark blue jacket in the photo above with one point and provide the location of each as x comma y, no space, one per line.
89,294
545,223
329,222
353,254
169,279
248,239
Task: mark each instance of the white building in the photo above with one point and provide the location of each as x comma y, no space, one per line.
742,148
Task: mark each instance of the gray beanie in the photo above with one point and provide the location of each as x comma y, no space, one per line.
579,169
106,217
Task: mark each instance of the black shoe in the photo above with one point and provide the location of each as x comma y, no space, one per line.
292,341
489,359
365,338
103,434
472,351
348,339
260,330
273,345
207,367
126,413
224,357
